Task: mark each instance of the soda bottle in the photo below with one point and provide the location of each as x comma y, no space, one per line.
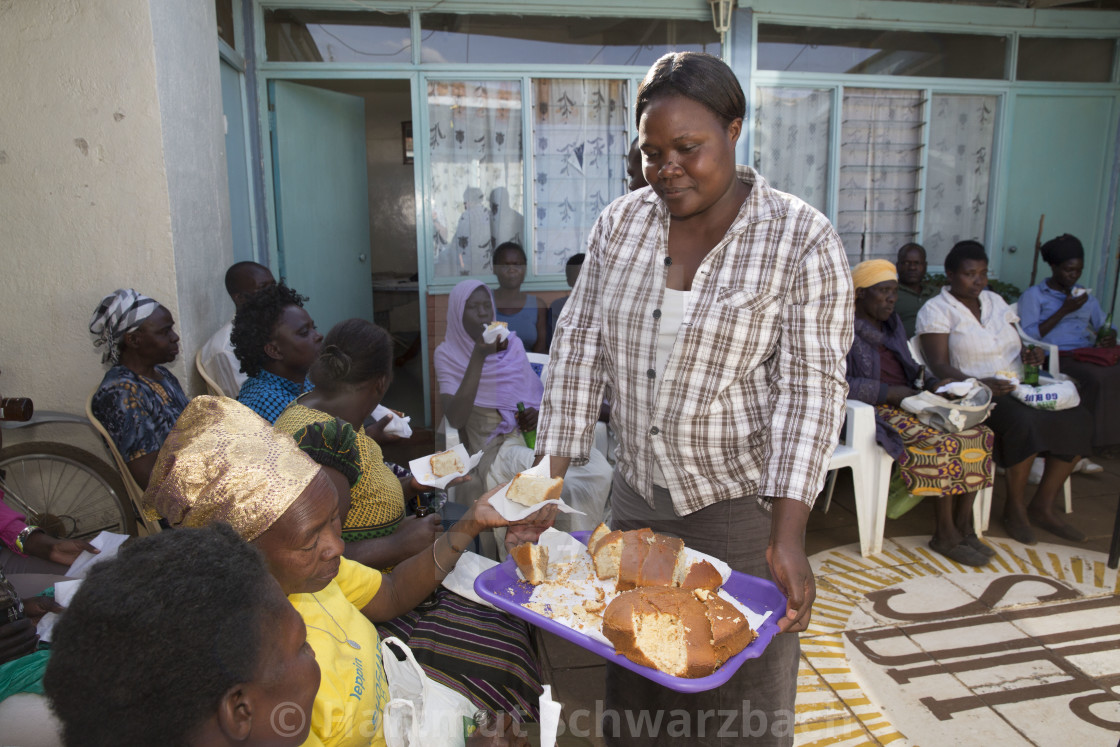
529,436
1105,331
1030,371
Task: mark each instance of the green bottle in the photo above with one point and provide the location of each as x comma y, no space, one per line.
529,436
1105,331
1030,371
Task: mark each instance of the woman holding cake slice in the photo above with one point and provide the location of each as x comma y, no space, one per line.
716,313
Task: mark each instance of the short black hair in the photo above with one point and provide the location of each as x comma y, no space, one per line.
354,351
1061,249
156,636
575,259
512,245
235,272
254,323
963,251
701,77
907,247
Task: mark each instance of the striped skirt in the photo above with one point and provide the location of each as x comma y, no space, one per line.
475,650
936,463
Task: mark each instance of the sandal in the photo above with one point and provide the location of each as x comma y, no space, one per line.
978,545
959,553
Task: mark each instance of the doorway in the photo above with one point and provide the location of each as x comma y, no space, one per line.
344,186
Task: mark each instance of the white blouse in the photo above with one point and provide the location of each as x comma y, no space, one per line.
978,347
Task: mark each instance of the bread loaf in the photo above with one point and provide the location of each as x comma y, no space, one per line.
447,463
532,561
679,632
642,558
529,490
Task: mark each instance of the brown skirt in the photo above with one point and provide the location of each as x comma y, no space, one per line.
936,463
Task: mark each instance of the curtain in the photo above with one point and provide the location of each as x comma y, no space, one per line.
579,159
791,141
961,133
476,158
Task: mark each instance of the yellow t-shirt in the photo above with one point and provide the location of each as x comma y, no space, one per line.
350,705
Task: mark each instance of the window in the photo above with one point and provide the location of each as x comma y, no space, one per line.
791,141
579,159
961,135
880,171
455,37
223,9
476,172
337,36
880,52
1073,60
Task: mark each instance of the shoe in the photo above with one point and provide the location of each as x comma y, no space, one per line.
1038,466
979,545
959,553
1020,532
1087,467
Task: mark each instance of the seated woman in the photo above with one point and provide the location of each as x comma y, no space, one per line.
524,313
473,649
481,385
224,464
1063,313
881,372
139,400
211,663
966,331
276,342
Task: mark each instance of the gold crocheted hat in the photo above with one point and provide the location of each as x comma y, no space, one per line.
872,272
223,462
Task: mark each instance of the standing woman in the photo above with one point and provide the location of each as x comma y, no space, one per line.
524,313
719,311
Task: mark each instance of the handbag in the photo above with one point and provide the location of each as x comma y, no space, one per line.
1053,392
421,712
949,415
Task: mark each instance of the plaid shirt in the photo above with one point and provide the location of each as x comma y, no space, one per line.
752,396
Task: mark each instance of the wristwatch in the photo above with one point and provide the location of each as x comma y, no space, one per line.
26,532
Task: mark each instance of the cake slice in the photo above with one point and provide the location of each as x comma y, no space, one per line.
529,490
607,555
702,575
447,463
532,561
597,534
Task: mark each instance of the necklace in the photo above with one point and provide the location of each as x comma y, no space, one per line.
345,638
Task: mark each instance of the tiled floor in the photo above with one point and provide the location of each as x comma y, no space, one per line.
909,648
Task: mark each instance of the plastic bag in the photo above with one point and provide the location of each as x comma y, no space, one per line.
421,712
1051,393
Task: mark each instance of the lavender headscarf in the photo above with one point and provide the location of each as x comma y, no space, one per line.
507,378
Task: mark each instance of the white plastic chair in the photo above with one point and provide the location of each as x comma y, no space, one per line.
144,524
1052,351
211,385
871,474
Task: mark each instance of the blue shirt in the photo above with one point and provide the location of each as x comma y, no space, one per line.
524,322
1077,330
268,394
138,412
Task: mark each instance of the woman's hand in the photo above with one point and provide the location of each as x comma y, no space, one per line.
895,394
1108,341
417,533
1033,356
61,551
376,431
1072,304
504,732
17,638
527,419
998,386
36,607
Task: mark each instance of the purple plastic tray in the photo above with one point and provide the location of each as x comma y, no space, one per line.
501,587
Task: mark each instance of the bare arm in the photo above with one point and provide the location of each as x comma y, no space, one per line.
411,537
542,328
141,468
457,407
935,348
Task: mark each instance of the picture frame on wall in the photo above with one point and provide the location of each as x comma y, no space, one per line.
406,141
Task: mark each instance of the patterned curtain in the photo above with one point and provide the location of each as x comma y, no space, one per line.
880,171
961,132
791,141
579,158
476,158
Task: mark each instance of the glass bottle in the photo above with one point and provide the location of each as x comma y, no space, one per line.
529,436
1030,371
1105,331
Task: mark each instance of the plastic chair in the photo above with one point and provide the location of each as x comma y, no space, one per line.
1052,352
211,385
871,474
145,525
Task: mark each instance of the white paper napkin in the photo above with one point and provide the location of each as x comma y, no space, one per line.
397,426
422,468
550,717
497,333
956,388
513,511
107,542
466,570
63,593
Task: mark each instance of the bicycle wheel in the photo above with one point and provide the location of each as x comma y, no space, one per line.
65,490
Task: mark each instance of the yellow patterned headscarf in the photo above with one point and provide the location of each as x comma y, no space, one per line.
872,272
223,462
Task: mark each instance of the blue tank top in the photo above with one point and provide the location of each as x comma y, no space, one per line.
524,322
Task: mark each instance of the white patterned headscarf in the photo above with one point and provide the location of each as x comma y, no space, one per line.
119,313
